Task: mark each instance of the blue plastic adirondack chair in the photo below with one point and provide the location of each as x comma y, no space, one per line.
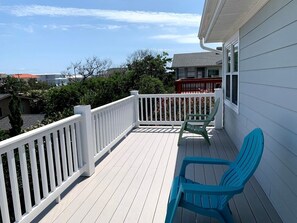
191,123
212,200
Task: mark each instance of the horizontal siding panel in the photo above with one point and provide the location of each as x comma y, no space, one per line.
285,77
280,204
277,21
263,180
284,156
281,58
281,135
267,93
282,97
284,118
287,198
277,40
265,13
235,126
289,179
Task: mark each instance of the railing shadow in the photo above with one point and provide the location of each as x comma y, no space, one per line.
156,129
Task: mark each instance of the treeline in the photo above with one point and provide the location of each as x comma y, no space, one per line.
144,70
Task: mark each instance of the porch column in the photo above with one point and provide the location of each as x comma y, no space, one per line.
219,116
136,107
86,138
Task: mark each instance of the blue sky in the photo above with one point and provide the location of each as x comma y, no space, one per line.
46,36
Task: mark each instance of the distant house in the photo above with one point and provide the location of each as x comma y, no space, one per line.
260,86
4,105
53,79
4,102
58,79
25,77
197,65
29,120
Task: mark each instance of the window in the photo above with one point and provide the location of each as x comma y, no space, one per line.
212,72
228,87
181,73
231,74
191,72
200,73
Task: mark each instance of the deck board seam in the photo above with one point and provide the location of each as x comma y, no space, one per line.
153,178
83,187
107,187
105,175
130,185
141,182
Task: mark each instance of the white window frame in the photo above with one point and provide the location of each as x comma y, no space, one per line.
229,45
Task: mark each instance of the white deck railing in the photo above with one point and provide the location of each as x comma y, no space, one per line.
37,166
171,109
111,123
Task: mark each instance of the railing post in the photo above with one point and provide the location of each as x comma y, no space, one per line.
86,137
219,116
136,107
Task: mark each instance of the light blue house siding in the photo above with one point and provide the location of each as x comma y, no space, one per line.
268,99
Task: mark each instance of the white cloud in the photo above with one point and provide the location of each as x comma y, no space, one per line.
141,17
28,29
81,26
185,39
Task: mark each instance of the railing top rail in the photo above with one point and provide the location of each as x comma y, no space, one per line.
177,95
39,131
194,80
111,104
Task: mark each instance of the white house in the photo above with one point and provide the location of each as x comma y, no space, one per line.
53,79
260,85
58,79
197,65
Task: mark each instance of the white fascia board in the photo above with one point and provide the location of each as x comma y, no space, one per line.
207,30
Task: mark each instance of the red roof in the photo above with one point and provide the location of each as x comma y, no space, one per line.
24,76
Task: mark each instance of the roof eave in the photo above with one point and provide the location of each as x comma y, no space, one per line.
212,13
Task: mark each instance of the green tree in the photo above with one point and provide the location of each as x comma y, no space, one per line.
3,135
151,85
148,63
62,99
14,84
15,117
33,84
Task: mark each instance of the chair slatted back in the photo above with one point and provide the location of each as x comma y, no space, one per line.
246,162
212,114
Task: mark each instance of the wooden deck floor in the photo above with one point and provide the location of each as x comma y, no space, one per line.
132,183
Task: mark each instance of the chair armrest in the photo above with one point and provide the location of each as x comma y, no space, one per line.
210,189
200,160
196,120
195,115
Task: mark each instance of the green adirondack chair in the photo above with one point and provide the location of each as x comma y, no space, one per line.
212,200
199,124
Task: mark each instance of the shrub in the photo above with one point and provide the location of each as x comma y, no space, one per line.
151,85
